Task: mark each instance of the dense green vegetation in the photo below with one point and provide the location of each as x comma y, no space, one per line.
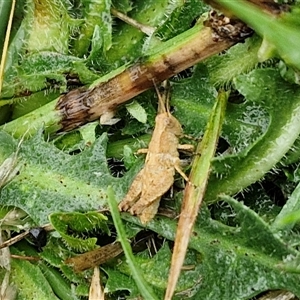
245,241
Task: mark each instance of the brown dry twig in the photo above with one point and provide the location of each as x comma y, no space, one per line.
142,27
95,257
22,235
83,105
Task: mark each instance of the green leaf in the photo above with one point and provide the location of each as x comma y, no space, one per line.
29,279
129,157
239,59
71,225
193,99
290,213
120,282
123,5
38,281
38,71
97,17
60,287
144,288
283,35
268,92
55,253
17,47
52,17
137,111
158,271
51,180
5,7
236,262
193,110
10,146
130,43
180,18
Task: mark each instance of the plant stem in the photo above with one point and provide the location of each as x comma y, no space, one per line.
6,41
80,106
195,190
105,95
115,149
45,117
137,275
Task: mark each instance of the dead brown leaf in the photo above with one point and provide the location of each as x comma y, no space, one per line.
96,292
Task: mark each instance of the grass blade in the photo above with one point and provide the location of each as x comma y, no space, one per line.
195,190
6,41
144,288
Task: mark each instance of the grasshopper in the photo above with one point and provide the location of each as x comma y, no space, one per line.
157,175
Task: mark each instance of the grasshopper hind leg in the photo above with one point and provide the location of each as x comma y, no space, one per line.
148,213
133,194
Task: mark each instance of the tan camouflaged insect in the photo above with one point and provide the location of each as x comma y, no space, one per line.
157,175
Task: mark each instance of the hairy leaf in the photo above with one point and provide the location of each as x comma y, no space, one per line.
269,93
236,262
71,225
51,180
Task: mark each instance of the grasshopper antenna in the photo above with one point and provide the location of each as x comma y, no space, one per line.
166,96
163,106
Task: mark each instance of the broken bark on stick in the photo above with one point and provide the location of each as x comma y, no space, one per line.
102,98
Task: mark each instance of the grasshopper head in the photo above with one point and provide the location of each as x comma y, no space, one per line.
174,126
